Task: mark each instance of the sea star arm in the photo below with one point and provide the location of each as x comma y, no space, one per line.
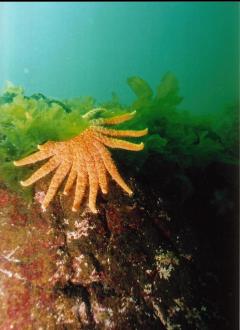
120,133
90,114
119,144
116,120
70,180
56,181
92,175
47,146
36,157
41,172
80,185
110,166
101,170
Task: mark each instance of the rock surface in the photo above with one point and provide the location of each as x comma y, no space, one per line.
123,268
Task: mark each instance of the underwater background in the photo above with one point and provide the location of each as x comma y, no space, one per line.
69,49
167,258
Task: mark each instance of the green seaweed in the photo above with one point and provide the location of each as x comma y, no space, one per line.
183,137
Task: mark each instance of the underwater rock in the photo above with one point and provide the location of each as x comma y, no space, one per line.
28,245
118,269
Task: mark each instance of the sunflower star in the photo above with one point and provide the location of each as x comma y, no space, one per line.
84,159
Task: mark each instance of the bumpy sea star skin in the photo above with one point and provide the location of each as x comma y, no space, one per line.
83,159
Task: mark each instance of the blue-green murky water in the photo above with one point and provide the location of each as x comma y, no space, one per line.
72,49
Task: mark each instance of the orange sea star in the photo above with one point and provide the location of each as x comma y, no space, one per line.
84,159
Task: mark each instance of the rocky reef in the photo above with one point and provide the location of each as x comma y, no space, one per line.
123,268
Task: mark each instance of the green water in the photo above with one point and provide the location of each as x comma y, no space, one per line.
70,49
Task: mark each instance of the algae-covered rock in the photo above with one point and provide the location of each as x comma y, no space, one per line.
119,269
28,245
